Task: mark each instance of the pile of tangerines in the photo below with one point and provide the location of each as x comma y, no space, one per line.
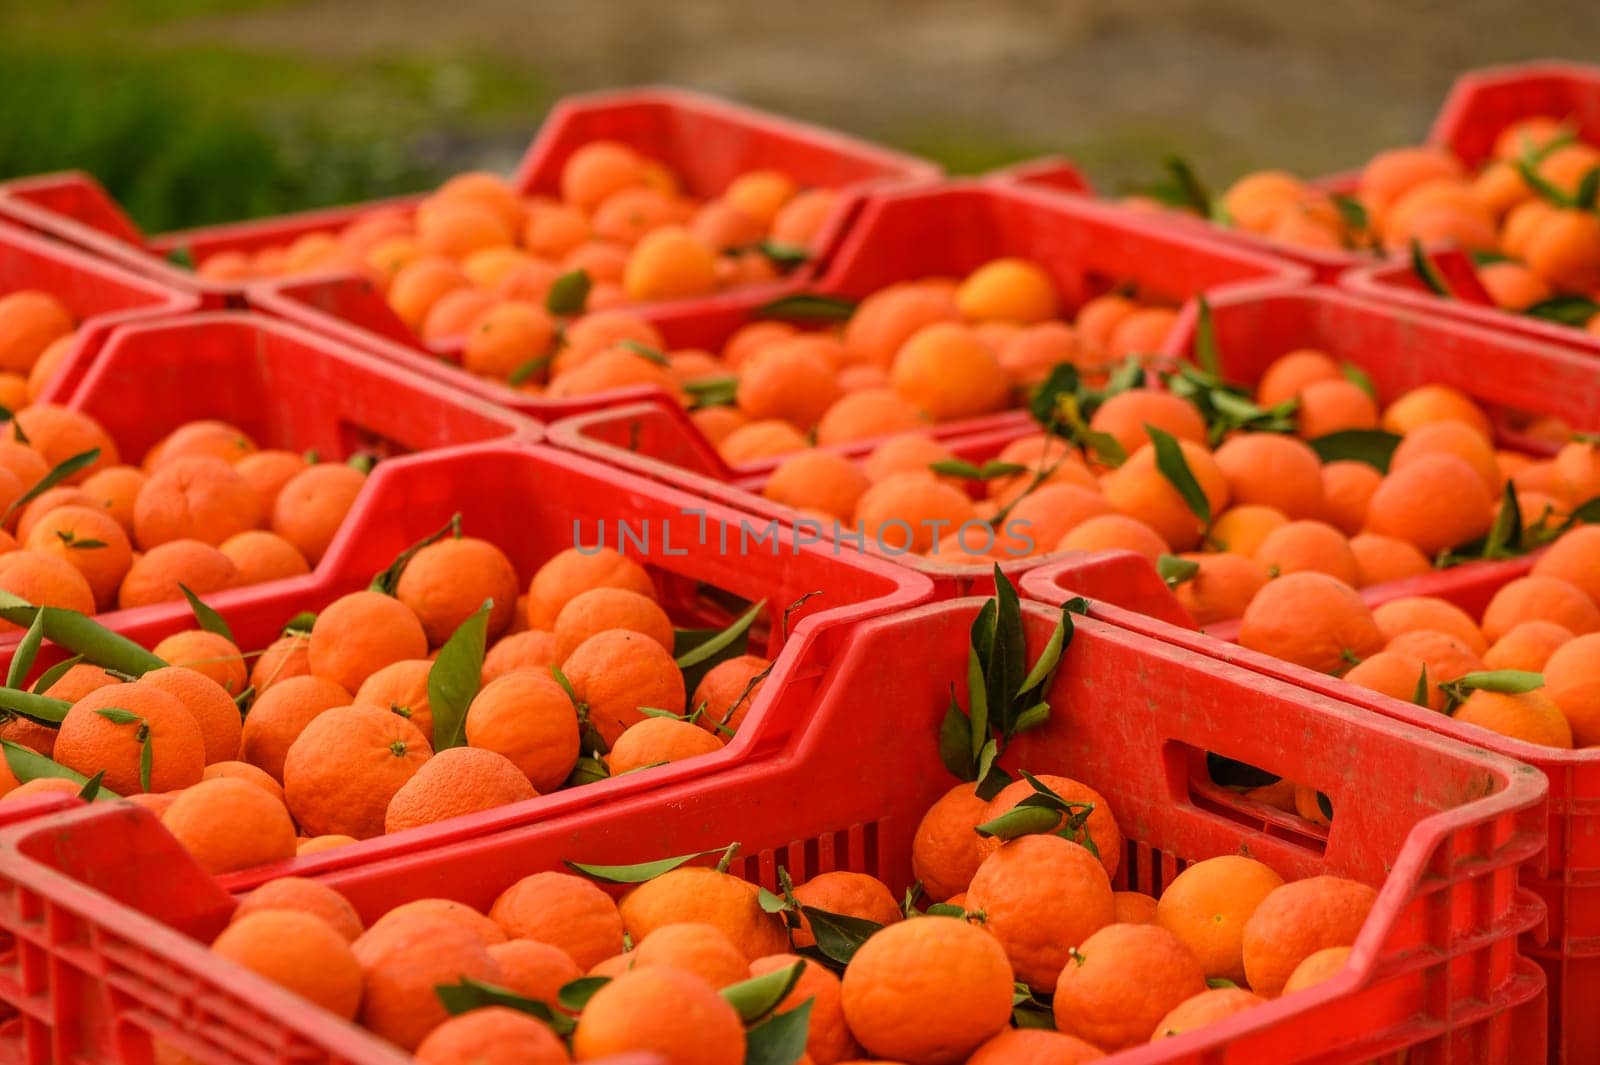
1021,930
36,335
205,511
621,220
343,736
1529,214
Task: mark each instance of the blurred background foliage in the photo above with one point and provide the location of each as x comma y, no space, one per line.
198,111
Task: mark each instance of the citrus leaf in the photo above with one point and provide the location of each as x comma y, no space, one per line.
1351,213
760,995
1425,269
1175,570
27,764
1567,310
1358,377
586,771
146,759
780,1039
91,787
40,708
1033,1016
638,874
986,756
207,618
66,468
528,369
118,716
454,678
955,741
992,780
644,351
82,635
55,673
1420,696
1589,189
568,293
1063,381
362,461
301,622
1205,339
1047,659
1032,718
839,936
944,909
1008,664
807,306
728,643
1215,982
978,697
1021,820
576,994
1175,468
1505,536
1537,182
469,994
712,392
1507,681
782,255
769,902
388,579
1586,513
957,468
22,659
1193,194
1374,447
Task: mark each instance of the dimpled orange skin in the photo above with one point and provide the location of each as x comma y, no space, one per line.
945,852
565,911
1205,1008
1208,905
1276,622
1034,1046
155,576
298,951
699,949
494,1035
309,896
599,609
1041,895
311,505
828,1040
360,633
205,652
454,783
1100,821
44,580
727,693
646,744
92,542
615,672
280,714
928,991
847,893
574,571
447,582
672,1014
229,825
403,963
1138,489
1121,981
346,765
90,742
198,498
1297,920
528,649
695,893
527,717
400,688
210,704
458,913
534,970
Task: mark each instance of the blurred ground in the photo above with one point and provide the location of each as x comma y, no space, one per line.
321,100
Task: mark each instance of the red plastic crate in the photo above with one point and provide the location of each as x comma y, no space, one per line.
285,387
706,140
1394,282
1483,102
98,295
102,900
912,233
663,445
534,502
1061,176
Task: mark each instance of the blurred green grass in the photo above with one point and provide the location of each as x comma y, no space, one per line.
188,133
